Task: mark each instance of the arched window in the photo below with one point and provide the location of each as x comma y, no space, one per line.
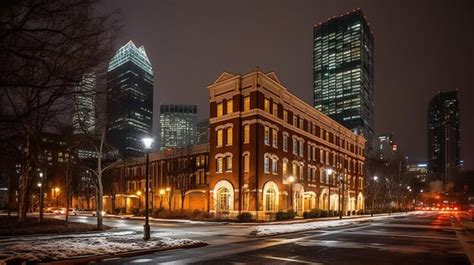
223,199
270,198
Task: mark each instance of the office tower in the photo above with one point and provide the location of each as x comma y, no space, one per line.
343,72
83,118
203,131
387,150
130,99
443,136
178,126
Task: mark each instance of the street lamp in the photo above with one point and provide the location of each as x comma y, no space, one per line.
162,193
40,186
376,179
329,172
147,142
341,199
56,192
291,179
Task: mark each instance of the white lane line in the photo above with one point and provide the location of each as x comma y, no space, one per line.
381,233
290,260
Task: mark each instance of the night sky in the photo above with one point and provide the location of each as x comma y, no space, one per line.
421,47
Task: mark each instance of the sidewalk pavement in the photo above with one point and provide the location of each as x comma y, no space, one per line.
464,226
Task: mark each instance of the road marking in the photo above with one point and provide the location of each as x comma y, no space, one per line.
380,233
290,260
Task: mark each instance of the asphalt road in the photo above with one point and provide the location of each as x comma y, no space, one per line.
426,239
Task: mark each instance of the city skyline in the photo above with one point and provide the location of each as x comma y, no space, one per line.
400,99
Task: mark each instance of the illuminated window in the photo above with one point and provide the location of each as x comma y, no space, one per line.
275,109
285,116
301,148
223,199
285,142
247,103
229,164
285,168
230,106
266,164
295,146
246,163
274,138
266,104
246,133
219,110
274,166
270,200
220,165
219,137
294,170
267,136
229,136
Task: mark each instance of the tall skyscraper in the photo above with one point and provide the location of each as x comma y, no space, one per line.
84,109
343,72
130,99
387,150
443,136
178,126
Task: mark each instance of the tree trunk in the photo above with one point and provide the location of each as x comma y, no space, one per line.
100,193
23,185
66,220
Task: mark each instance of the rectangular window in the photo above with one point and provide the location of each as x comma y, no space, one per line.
229,164
309,175
219,138
274,166
321,156
246,134
274,138
266,164
219,109
327,157
285,142
301,148
285,116
309,152
246,103
220,165
246,163
230,106
266,105
294,170
275,109
295,146
300,172
295,120
229,136
301,123
267,136
285,168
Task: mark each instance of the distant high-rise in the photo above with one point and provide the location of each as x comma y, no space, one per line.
203,131
443,136
387,150
343,72
178,126
83,118
130,99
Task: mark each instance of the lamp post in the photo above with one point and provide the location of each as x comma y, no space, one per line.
40,186
341,201
139,194
162,193
147,142
291,179
56,192
375,178
329,172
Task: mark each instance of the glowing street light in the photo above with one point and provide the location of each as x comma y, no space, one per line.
147,142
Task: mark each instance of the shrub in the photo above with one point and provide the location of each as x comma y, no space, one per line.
324,213
245,217
330,213
281,215
336,213
135,211
354,212
314,213
198,215
116,211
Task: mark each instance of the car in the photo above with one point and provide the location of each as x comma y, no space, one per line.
103,213
72,211
59,210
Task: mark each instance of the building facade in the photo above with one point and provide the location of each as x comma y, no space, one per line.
203,131
443,137
386,150
268,151
178,126
129,99
343,72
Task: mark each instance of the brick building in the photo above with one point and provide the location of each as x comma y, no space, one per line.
268,151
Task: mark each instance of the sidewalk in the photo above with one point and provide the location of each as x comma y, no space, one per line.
464,226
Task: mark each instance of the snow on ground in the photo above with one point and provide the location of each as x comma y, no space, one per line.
276,229
51,248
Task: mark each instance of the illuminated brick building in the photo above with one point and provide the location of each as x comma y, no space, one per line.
268,151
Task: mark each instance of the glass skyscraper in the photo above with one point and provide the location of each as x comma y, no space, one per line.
129,99
443,136
343,72
84,105
178,126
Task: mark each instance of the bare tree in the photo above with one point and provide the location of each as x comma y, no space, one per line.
49,45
